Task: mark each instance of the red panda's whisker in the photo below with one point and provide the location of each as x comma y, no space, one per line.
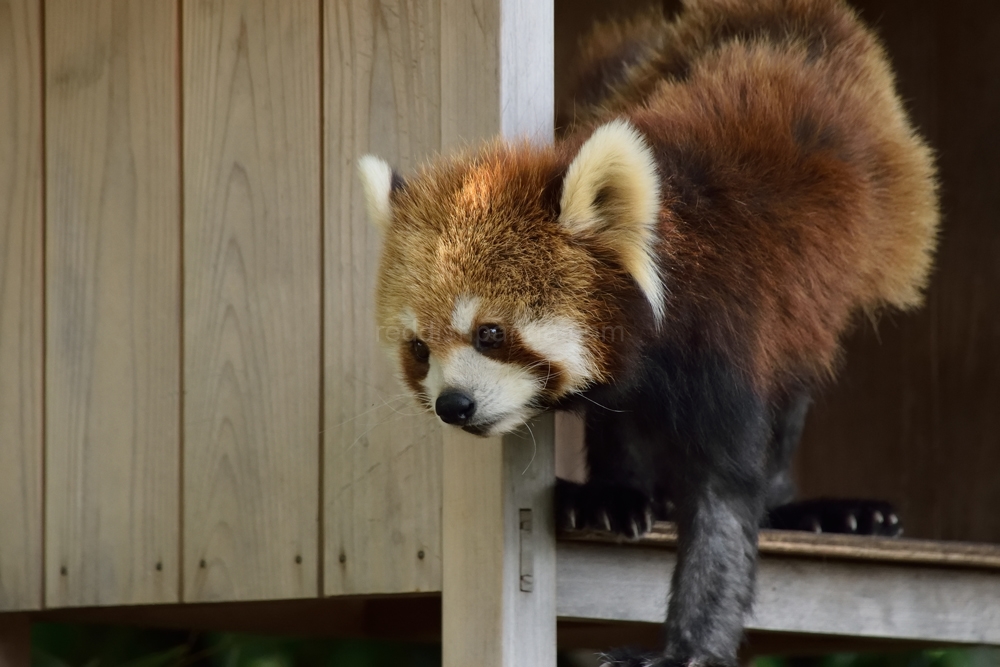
534,444
362,414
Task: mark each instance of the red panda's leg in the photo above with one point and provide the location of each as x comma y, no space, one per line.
711,431
716,453
618,496
787,424
821,515
713,583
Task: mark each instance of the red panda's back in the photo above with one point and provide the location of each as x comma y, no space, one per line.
797,191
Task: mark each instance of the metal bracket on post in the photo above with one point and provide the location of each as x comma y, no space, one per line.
527,553
499,549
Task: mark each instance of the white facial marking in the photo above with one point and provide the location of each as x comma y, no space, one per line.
434,380
463,315
561,340
408,320
502,392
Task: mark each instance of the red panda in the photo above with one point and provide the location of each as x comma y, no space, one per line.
735,187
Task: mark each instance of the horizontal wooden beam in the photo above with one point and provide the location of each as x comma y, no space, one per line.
902,551
802,595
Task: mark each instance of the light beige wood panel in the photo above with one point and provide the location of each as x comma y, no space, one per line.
113,267
497,79
251,298
499,593
382,456
805,595
496,70
20,305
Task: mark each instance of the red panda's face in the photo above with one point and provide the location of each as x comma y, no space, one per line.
482,296
491,306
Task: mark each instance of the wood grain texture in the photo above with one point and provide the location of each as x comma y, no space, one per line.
496,79
252,298
382,456
488,619
841,547
496,70
21,339
913,417
113,268
794,595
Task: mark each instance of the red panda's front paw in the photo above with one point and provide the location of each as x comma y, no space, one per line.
613,508
838,515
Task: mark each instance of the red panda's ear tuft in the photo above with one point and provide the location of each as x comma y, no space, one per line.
378,181
611,197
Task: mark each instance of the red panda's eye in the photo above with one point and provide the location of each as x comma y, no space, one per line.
489,337
420,350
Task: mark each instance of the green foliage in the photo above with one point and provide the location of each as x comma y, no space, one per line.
953,657
55,645
59,645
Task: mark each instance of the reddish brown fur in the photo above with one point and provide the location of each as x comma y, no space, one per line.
796,194
801,193
485,225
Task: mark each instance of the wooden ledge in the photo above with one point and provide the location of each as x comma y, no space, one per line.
806,584
828,546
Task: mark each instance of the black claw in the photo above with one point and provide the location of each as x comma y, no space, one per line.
862,517
611,508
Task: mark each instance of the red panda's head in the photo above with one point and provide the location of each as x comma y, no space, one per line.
510,276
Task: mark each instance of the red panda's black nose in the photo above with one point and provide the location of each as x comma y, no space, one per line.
454,407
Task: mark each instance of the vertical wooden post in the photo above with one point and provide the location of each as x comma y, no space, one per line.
498,551
15,640
499,592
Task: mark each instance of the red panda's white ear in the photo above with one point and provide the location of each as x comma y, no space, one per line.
377,182
611,196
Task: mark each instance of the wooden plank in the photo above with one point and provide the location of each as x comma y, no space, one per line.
113,265
498,598
496,70
382,453
844,547
15,640
21,339
252,298
496,78
598,581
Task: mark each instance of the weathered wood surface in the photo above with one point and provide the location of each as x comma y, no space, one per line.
113,336
251,86
499,593
496,79
599,581
382,479
21,302
844,547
